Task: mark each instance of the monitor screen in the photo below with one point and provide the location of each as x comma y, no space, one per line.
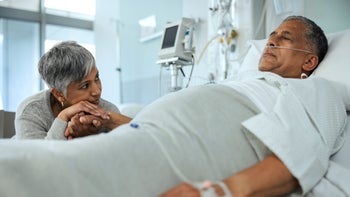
173,40
169,37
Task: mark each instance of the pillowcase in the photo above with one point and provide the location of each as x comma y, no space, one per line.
335,66
251,60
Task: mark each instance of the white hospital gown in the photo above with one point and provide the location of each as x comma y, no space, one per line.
320,123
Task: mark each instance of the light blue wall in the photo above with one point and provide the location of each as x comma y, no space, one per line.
140,73
331,15
107,53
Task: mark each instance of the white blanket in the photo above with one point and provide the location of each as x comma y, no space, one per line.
164,150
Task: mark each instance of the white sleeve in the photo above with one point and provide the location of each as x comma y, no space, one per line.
343,91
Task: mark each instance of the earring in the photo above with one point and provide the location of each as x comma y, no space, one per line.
62,104
303,76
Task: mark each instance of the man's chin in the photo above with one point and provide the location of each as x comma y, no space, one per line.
263,68
266,65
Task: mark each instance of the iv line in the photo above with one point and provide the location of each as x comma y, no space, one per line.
294,49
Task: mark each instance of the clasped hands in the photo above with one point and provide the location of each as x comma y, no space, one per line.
85,118
83,124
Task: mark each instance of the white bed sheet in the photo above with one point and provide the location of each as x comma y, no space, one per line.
337,181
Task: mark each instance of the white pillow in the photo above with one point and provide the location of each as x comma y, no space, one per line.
251,60
335,66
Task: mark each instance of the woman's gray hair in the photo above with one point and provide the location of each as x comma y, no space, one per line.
64,63
314,35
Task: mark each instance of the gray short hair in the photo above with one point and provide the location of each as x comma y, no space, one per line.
64,63
314,36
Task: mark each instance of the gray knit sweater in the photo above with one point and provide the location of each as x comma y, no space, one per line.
35,119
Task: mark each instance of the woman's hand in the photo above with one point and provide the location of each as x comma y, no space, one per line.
82,106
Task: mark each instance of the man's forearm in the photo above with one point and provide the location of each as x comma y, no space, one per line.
269,177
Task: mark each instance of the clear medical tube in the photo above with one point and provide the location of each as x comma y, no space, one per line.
289,48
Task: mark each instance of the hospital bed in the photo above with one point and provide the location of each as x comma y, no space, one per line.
96,166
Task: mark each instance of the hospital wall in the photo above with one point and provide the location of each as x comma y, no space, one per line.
331,15
141,80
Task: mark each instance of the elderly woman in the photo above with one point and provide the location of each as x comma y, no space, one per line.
75,89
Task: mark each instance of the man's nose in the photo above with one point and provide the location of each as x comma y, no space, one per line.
271,42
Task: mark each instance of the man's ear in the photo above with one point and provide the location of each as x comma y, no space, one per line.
311,62
58,95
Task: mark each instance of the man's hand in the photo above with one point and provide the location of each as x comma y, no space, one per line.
77,128
114,120
183,190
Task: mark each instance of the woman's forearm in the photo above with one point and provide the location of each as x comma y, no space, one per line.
269,177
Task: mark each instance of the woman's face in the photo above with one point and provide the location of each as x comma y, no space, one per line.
89,89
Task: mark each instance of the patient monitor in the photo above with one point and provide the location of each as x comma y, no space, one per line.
177,40
176,48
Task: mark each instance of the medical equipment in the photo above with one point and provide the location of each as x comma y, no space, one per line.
177,48
222,17
177,40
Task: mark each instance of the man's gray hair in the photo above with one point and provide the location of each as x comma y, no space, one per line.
64,63
314,35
